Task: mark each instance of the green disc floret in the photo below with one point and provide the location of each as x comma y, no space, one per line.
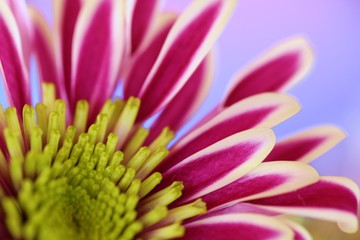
80,182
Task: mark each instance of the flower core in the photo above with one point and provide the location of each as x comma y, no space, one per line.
65,183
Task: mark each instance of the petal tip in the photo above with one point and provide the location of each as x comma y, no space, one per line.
301,45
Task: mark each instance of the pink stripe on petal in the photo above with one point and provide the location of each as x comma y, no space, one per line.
142,19
331,198
277,70
19,11
126,21
221,163
241,207
12,61
146,57
264,181
186,102
263,110
237,226
66,14
308,145
45,55
97,52
190,39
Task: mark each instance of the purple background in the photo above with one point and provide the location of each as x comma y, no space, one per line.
330,94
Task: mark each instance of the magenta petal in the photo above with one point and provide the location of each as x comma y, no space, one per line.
300,233
142,19
237,226
264,181
186,102
331,198
19,11
190,39
221,163
66,13
277,70
97,52
241,207
263,110
43,45
12,61
306,146
146,57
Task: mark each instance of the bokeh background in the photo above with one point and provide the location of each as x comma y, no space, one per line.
330,94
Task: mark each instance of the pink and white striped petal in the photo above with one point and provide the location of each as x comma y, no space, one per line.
221,163
307,145
332,198
142,19
19,11
146,55
263,110
66,14
241,207
129,7
187,101
188,42
275,71
237,226
16,82
97,51
44,49
267,179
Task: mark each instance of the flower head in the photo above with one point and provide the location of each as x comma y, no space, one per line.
62,182
79,165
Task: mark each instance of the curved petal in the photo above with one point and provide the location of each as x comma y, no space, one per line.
19,10
66,13
241,207
237,226
187,101
97,52
275,71
263,110
332,198
267,179
307,145
189,40
129,8
142,19
221,163
146,56
15,77
45,53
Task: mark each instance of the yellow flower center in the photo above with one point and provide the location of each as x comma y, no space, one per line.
73,182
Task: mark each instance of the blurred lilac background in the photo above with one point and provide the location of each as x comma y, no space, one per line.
330,94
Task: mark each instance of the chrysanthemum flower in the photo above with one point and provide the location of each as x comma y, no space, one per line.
79,165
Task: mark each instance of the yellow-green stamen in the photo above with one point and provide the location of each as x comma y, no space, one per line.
74,182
